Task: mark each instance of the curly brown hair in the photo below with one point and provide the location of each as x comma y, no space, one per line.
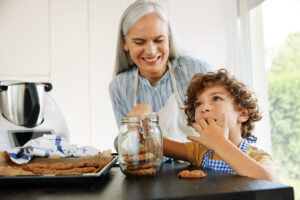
242,96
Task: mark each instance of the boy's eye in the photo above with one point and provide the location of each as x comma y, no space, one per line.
197,105
216,98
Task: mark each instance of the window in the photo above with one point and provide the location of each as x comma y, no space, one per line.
274,60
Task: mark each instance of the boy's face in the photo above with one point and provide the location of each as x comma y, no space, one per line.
215,100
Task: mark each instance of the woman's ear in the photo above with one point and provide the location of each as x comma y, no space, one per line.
244,115
125,46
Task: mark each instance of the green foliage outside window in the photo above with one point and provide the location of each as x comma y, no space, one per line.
284,100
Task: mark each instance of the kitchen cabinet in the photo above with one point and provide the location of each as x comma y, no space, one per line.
24,38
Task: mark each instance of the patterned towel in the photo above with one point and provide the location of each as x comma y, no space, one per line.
49,145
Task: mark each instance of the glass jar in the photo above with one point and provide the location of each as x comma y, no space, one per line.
140,146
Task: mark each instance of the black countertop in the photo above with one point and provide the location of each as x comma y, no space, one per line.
165,185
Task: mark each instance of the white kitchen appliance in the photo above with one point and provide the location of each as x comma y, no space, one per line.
28,111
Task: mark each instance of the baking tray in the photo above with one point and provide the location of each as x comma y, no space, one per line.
56,179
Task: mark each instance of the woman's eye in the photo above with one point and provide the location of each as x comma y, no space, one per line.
216,98
158,41
139,43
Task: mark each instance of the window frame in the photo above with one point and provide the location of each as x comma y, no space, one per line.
252,68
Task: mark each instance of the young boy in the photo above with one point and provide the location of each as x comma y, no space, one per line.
222,110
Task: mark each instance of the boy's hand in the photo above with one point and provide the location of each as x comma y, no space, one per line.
210,132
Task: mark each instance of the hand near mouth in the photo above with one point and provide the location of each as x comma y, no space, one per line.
211,132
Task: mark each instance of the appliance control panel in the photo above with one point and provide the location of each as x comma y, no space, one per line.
19,137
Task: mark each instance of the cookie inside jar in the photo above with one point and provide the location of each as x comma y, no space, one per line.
140,146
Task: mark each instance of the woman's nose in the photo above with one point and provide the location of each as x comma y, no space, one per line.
151,49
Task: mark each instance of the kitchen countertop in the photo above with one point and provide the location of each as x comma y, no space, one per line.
165,185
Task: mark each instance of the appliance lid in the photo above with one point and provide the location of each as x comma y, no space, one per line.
11,82
6,83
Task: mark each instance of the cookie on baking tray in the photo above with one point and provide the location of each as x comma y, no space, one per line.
55,165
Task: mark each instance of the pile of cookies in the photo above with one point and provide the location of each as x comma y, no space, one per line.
140,162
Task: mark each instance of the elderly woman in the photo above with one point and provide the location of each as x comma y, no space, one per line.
151,69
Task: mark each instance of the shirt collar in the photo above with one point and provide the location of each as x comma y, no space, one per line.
245,142
147,82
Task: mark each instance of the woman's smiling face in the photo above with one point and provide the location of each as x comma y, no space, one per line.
147,42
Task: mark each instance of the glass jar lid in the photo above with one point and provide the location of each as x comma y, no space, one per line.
137,119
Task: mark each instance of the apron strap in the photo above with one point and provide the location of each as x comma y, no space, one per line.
173,81
136,82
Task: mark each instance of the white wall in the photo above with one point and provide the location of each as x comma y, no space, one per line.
207,29
72,44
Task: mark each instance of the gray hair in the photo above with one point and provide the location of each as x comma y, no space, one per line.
130,16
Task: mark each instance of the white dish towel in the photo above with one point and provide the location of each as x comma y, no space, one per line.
49,145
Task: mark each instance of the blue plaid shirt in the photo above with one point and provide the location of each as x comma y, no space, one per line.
221,166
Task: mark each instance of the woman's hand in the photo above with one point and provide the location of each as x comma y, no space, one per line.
211,132
140,110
